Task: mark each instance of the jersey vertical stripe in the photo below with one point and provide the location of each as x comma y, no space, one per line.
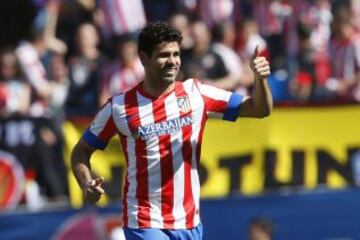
178,211
126,186
153,167
189,205
196,138
167,171
143,214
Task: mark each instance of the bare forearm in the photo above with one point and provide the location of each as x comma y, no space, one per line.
262,98
80,163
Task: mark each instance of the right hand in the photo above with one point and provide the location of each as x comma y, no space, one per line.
93,190
259,65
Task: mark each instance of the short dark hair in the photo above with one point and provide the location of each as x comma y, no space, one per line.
156,33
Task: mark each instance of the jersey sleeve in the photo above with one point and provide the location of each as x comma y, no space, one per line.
220,103
102,128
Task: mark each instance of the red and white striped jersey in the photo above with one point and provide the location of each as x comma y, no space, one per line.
161,139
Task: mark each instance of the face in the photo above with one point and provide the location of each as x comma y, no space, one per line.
200,34
164,62
87,36
8,66
128,52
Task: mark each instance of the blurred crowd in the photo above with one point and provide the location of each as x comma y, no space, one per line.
78,53
75,54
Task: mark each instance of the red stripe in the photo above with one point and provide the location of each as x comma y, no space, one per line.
189,204
126,187
167,169
142,190
213,105
199,141
108,130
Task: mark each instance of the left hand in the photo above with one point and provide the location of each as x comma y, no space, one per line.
259,65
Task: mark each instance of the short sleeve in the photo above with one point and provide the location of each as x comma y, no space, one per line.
220,103
102,128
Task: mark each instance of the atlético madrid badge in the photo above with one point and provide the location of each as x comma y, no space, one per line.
184,104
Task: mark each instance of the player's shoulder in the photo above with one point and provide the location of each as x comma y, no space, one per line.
120,97
191,82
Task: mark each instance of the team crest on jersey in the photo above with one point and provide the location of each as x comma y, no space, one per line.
184,104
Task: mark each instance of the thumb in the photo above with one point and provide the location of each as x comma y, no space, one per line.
256,52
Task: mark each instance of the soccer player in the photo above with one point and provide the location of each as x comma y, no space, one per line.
160,123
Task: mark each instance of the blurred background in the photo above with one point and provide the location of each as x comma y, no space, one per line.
293,175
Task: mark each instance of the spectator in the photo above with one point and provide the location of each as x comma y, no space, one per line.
224,39
72,13
248,38
84,70
304,83
201,61
180,21
261,229
345,57
14,92
121,16
125,72
216,11
59,73
34,54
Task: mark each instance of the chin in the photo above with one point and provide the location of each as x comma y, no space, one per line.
169,79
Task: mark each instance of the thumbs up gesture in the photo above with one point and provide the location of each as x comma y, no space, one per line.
259,65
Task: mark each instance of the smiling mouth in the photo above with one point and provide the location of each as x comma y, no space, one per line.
170,71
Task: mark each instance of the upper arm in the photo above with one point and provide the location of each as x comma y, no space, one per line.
102,129
220,103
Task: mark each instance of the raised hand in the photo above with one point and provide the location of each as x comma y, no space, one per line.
259,65
93,190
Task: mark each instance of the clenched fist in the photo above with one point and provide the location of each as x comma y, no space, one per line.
259,65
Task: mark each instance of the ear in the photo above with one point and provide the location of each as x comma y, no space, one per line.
144,58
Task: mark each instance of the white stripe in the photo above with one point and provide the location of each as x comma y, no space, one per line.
198,113
214,93
101,119
153,161
119,115
132,202
172,112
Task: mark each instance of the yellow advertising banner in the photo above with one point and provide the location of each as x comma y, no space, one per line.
294,148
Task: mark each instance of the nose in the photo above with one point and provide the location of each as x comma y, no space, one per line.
172,60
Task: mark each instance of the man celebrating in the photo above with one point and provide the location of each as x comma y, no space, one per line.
160,123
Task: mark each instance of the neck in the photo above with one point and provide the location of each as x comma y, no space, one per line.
156,88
